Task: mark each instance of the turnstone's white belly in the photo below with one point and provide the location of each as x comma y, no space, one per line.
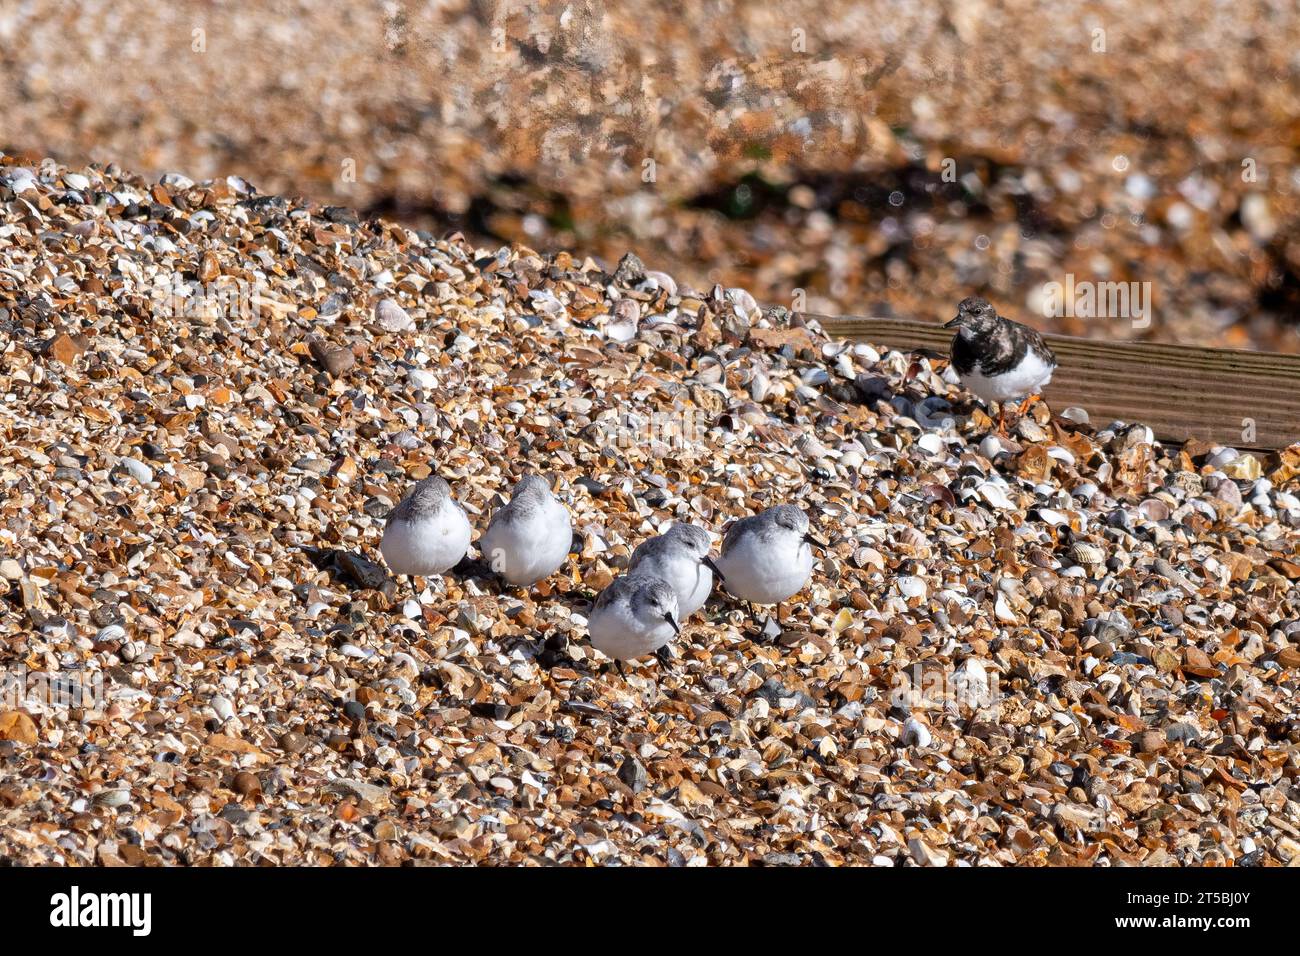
1028,377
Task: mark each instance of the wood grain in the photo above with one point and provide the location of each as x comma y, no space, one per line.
1179,391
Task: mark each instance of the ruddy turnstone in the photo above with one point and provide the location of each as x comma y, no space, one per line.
679,556
767,557
529,538
634,616
999,360
427,533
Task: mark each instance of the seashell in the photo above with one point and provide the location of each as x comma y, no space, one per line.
223,707
932,443
995,495
1030,430
810,448
1061,454
1220,455
865,352
915,734
842,622
391,317
869,558
744,304
622,325
1075,414
1085,490
658,280
1085,554
112,632
1054,517
910,586
992,446
1154,509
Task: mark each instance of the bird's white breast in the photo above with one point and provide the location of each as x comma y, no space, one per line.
766,572
529,548
430,544
1027,378
616,633
688,577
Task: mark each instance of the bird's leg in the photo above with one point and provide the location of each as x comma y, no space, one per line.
665,656
1002,420
1027,404
618,666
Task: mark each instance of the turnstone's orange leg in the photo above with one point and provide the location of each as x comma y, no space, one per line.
1002,419
1027,403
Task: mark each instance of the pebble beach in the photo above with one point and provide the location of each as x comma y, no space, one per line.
1072,646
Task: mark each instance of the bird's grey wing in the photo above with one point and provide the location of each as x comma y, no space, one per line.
737,531
613,591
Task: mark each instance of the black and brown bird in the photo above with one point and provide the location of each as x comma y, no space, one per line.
999,360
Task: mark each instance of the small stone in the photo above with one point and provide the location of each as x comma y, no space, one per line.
633,773
64,348
630,271
335,361
293,742
18,727
1148,742
924,854
247,785
138,470
391,317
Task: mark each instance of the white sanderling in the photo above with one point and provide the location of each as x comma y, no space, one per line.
998,360
427,533
767,557
679,556
633,617
529,538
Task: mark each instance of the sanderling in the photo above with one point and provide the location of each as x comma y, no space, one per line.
427,533
767,557
634,616
529,538
996,359
679,556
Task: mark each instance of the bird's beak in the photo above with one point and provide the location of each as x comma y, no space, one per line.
953,322
813,539
677,628
708,563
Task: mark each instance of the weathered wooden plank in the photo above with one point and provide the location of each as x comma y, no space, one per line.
1180,391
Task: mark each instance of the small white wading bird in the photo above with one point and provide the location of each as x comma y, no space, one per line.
680,556
767,557
633,617
999,360
529,538
427,533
